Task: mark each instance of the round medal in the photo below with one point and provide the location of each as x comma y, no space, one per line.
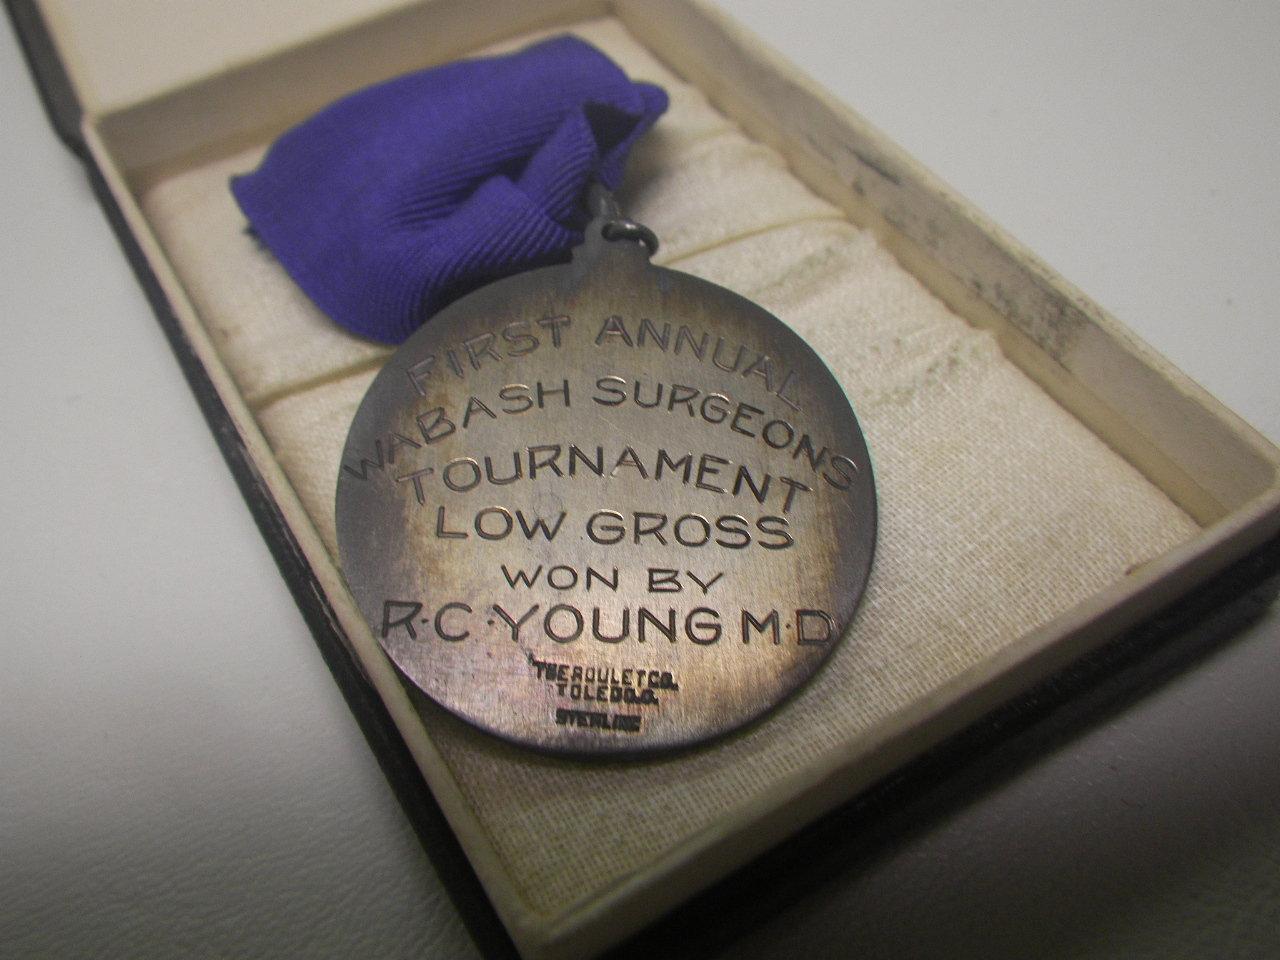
606,507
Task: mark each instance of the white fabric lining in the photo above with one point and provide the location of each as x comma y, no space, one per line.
998,509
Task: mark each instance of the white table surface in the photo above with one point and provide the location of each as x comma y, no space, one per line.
179,775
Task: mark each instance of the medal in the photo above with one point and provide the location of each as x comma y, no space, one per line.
598,507
606,507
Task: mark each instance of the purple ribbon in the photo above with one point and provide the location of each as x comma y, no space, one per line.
395,200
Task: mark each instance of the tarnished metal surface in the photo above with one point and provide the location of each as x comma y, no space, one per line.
606,507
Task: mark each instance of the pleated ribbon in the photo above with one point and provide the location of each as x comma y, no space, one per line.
397,199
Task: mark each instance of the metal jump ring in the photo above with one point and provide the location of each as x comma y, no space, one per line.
630,230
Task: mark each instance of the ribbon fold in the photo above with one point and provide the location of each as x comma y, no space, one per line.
397,199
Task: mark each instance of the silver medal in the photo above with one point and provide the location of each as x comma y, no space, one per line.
606,507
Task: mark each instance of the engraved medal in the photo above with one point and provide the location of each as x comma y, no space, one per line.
606,507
